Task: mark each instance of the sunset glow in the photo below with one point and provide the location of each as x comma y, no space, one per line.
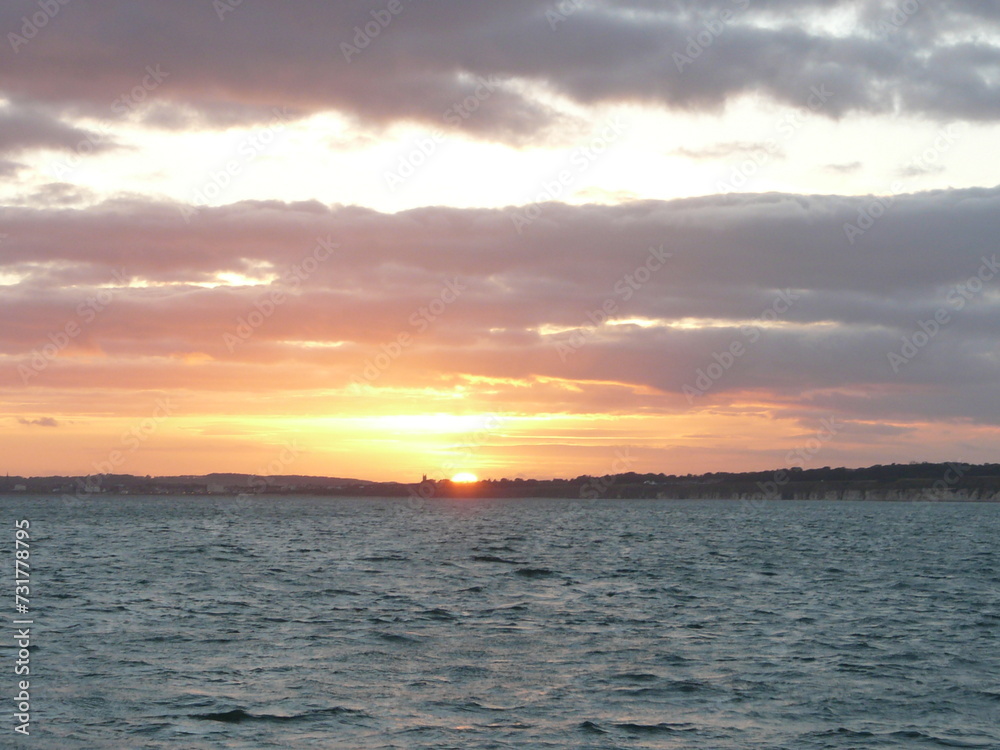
241,253
511,373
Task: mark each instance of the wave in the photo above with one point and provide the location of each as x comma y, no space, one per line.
534,572
396,638
494,559
661,728
239,715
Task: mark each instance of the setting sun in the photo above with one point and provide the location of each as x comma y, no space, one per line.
465,477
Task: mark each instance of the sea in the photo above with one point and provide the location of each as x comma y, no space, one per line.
318,622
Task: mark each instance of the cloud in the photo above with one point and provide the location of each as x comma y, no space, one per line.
849,168
816,318
507,59
24,128
729,150
59,194
41,422
920,170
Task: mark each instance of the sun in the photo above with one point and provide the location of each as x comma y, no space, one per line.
465,477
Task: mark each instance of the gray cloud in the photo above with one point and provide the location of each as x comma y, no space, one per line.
849,168
734,259
432,56
919,170
24,129
41,422
729,150
59,194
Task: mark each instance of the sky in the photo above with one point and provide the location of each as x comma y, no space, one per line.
520,239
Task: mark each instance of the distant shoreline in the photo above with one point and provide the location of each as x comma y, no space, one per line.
926,482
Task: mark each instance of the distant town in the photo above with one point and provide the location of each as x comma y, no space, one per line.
893,482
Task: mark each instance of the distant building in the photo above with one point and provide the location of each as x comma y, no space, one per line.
20,488
217,489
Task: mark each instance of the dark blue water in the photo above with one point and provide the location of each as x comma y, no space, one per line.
330,623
